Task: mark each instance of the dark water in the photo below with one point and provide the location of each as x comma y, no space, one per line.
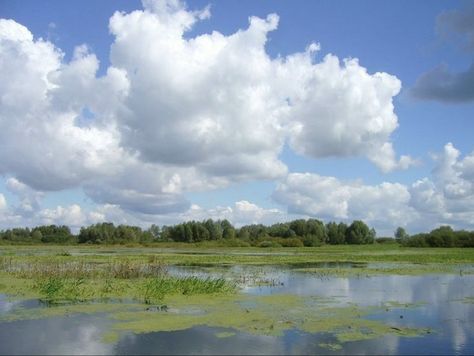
442,307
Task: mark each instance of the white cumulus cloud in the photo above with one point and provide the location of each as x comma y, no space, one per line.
445,198
176,113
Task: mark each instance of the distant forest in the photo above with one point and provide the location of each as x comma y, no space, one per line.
296,233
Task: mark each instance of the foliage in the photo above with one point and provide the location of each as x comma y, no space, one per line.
401,235
385,240
443,236
46,234
359,233
296,233
336,233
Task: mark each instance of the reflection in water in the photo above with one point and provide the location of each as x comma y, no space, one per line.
440,298
58,336
7,305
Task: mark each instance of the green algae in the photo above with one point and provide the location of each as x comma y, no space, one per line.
224,334
468,300
330,346
397,305
403,269
258,315
264,315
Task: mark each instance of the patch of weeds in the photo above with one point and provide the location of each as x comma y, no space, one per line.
468,300
224,334
153,290
64,254
330,346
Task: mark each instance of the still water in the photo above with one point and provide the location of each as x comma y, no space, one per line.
443,303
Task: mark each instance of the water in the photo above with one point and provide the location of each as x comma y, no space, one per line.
439,304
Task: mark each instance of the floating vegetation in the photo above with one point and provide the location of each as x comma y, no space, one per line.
468,300
263,315
224,334
386,269
330,346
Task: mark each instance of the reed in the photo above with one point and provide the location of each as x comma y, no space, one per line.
146,280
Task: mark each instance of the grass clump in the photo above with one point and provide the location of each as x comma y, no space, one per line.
154,290
66,278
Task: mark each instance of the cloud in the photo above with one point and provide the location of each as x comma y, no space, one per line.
458,22
29,199
193,114
71,216
332,199
223,105
341,110
446,198
440,83
198,102
3,202
443,85
241,213
40,143
454,175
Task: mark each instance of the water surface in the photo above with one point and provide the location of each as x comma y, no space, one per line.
437,302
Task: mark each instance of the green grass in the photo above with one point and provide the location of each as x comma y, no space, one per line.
180,253
66,278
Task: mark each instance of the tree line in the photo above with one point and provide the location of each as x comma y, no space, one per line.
443,236
296,233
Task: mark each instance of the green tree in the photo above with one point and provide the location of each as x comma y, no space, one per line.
228,231
401,235
359,233
336,233
155,232
443,236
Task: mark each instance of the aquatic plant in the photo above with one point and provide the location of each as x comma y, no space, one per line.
153,290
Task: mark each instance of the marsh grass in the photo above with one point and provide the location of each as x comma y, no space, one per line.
153,290
147,290
68,279
81,268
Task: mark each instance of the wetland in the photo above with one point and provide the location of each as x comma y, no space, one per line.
174,300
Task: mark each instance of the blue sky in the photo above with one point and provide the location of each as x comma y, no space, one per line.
112,122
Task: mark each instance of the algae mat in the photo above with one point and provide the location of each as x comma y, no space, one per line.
258,315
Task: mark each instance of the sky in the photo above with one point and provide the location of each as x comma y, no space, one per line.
163,111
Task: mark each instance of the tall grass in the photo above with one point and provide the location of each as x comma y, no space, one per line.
63,279
125,269
153,290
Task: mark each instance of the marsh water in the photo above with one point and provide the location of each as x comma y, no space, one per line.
441,303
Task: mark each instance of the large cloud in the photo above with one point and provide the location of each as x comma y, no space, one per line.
222,104
40,143
341,110
329,198
446,198
205,102
175,113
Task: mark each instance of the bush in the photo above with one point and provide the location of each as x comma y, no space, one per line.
269,243
385,240
291,242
